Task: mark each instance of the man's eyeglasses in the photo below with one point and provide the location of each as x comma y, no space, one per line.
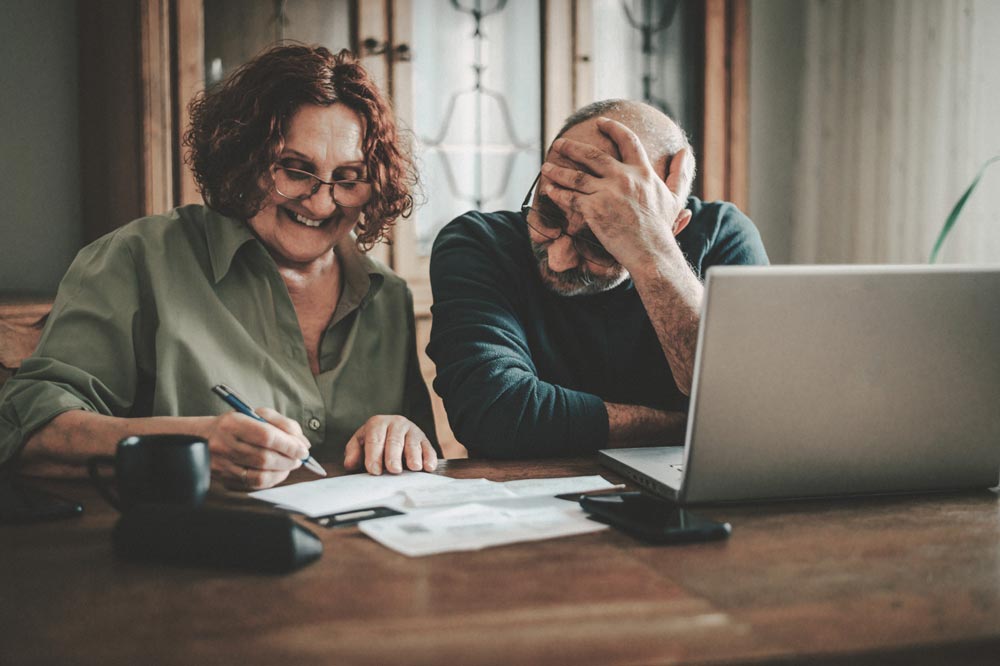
298,185
550,223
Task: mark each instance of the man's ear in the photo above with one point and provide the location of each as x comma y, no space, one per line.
682,220
680,170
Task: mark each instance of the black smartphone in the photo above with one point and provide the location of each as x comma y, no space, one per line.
22,503
652,519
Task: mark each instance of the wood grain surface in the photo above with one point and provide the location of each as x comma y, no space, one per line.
893,580
21,322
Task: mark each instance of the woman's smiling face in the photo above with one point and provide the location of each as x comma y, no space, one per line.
324,141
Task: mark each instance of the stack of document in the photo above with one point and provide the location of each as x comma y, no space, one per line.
443,514
479,525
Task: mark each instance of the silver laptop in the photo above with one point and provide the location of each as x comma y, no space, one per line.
836,380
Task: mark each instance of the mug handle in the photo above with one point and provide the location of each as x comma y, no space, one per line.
103,485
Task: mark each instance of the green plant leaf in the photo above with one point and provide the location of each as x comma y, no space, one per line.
953,215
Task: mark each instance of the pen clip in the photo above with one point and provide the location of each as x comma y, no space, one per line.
233,399
223,391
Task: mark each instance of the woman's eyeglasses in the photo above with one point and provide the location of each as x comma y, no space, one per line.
550,223
297,185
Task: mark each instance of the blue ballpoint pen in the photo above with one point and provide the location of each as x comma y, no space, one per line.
236,403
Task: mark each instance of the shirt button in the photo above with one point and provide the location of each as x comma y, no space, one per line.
314,423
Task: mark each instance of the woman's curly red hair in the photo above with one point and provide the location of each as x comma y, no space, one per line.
237,131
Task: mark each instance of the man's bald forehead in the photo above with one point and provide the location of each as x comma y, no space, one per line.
660,136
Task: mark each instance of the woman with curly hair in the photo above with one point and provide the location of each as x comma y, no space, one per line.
266,288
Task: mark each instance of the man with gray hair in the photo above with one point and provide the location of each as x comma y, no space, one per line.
571,325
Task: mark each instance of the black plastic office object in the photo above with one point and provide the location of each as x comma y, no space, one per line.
223,538
652,519
352,518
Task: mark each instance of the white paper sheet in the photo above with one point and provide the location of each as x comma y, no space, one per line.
344,493
557,486
410,491
478,525
459,491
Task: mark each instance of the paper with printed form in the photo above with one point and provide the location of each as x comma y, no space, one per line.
479,525
343,493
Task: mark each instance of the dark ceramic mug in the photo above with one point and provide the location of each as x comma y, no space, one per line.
171,469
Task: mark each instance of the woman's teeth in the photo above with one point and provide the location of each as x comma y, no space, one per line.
306,221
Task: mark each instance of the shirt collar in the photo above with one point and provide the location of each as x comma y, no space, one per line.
363,276
225,236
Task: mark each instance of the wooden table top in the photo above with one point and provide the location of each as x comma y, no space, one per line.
892,580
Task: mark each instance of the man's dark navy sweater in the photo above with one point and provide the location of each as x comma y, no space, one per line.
525,372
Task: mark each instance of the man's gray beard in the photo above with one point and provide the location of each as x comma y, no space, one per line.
577,281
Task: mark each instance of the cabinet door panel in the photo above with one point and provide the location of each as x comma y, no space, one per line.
471,91
643,50
237,30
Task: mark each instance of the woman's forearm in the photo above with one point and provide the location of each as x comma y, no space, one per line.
62,446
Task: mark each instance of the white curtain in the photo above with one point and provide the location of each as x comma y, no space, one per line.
901,108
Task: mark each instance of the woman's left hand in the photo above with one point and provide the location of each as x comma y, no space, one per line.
384,442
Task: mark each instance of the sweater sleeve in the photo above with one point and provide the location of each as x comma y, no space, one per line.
497,405
417,399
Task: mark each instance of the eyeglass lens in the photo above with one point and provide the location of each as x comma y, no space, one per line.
552,225
295,184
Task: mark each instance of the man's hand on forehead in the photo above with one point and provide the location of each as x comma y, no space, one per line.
586,157
630,209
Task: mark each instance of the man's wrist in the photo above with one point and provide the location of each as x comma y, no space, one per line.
637,425
667,265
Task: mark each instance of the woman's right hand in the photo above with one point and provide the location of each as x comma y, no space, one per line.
250,455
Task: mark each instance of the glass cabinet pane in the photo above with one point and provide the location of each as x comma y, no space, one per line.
476,106
648,50
237,30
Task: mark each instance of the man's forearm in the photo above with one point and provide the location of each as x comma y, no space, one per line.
672,294
635,425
